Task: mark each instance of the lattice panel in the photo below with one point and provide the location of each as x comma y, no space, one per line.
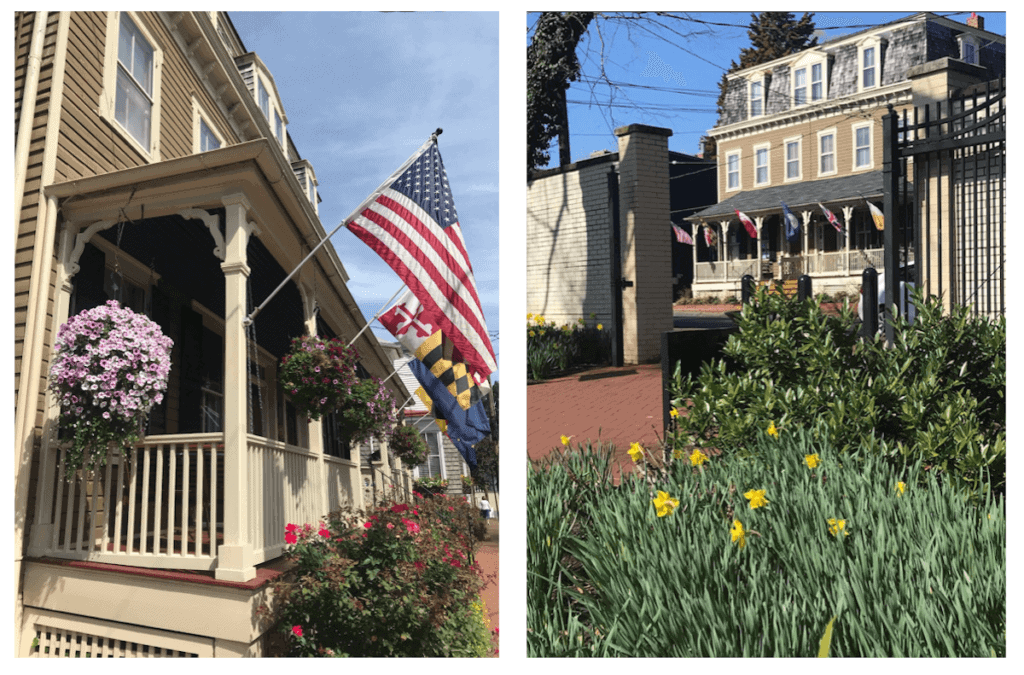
53,635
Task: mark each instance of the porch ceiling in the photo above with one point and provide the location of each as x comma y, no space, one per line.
796,195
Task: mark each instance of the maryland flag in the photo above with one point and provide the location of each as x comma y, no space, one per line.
709,236
876,216
448,388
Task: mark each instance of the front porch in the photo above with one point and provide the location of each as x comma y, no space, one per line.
227,460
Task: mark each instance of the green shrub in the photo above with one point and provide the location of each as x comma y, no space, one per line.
938,395
917,571
397,581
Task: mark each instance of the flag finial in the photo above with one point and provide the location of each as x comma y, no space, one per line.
437,133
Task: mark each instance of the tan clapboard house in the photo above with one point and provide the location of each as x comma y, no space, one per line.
806,130
153,165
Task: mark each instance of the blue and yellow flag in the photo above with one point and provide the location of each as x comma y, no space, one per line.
452,393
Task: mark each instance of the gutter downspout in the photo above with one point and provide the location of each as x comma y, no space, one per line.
35,322
27,115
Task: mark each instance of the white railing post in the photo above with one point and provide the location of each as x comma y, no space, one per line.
316,428
235,556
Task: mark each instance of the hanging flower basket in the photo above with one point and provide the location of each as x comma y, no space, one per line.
407,445
319,374
109,368
321,377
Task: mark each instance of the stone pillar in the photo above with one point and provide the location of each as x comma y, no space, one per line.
235,561
645,216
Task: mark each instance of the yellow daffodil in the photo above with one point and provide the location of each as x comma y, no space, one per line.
565,439
600,327
698,458
673,413
812,460
901,486
529,316
531,333
756,498
636,452
677,454
837,526
772,431
738,535
539,318
664,504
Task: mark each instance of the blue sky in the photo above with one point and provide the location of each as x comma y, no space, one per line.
691,67
363,91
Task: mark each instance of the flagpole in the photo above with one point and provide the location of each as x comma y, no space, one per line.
375,316
376,193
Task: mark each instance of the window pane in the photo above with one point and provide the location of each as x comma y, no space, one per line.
816,84
207,141
132,109
264,99
142,67
792,160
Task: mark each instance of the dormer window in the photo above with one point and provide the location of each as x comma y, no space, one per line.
278,128
817,83
756,98
264,99
969,48
799,86
869,62
808,78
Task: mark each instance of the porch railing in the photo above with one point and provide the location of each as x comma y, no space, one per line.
160,505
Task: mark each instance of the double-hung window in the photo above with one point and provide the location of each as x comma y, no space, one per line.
761,166
827,153
800,86
756,99
133,107
793,160
868,68
732,162
862,146
817,83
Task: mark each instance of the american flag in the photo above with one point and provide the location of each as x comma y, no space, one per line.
412,224
682,236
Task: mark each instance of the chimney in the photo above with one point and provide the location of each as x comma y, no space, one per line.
975,21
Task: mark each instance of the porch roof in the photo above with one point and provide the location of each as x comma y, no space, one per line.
805,194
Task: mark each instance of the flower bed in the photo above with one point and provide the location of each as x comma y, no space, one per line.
109,368
552,349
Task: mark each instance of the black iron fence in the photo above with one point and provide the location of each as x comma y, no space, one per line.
945,200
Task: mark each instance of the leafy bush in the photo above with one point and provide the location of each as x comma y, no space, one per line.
397,581
938,395
552,349
753,554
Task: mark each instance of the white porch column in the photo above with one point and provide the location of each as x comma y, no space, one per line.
806,215
235,556
758,220
316,427
848,219
722,249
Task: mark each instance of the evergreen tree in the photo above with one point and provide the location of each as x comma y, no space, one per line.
772,36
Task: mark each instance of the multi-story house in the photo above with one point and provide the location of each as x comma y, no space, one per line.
153,165
805,130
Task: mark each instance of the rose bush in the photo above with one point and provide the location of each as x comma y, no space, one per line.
109,368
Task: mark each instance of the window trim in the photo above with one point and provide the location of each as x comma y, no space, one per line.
108,98
835,165
798,141
876,43
767,147
739,170
199,116
854,128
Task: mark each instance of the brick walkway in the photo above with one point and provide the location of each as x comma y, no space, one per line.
621,408
487,556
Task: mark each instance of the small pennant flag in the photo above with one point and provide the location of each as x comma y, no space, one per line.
747,223
832,219
877,216
792,225
682,236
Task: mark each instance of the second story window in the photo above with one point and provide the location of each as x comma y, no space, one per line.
207,139
756,99
862,147
733,170
134,104
827,143
761,166
792,160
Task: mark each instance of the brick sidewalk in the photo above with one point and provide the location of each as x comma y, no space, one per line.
487,556
621,408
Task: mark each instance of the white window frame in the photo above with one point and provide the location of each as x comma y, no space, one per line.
759,83
786,144
822,82
739,171
200,117
432,430
767,149
966,40
807,62
108,98
870,164
871,43
835,166
261,91
805,88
